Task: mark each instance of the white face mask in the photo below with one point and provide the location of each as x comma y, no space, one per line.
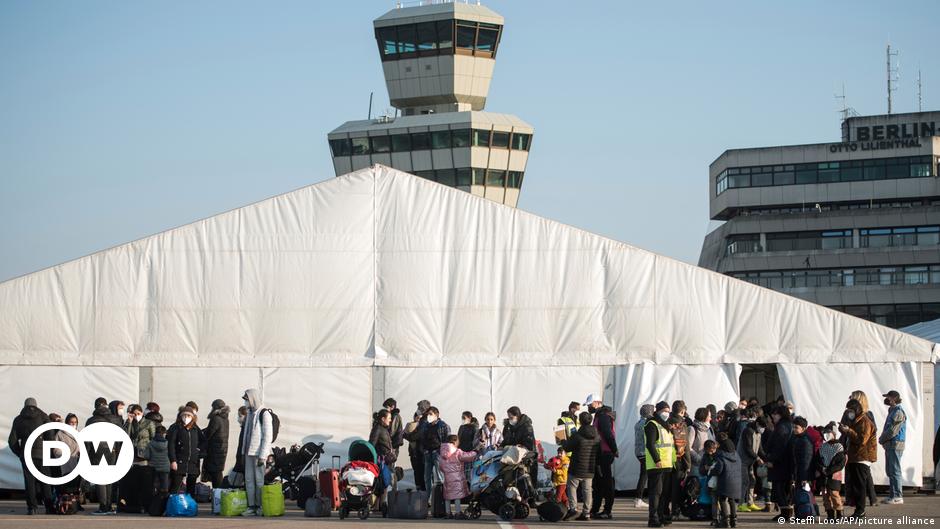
138,416
761,430
851,415
830,436
664,416
120,411
241,419
432,418
513,421
187,419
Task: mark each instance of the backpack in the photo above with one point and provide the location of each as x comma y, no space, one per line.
66,504
275,423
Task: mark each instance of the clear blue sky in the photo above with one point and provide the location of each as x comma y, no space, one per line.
123,119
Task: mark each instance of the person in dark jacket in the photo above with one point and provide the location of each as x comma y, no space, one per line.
751,455
216,436
584,446
136,487
467,431
433,435
105,413
237,476
680,434
518,431
660,461
183,441
380,437
727,468
801,447
780,462
412,433
30,418
152,414
603,484
396,428
861,452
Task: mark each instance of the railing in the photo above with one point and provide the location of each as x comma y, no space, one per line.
417,3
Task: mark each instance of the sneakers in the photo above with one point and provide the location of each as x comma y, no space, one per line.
893,501
570,514
585,517
640,504
250,512
754,507
744,508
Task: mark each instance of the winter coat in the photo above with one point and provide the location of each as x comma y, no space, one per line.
559,467
29,419
727,468
862,445
74,450
395,430
749,445
434,436
802,449
520,434
889,436
466,434
104,414
216,435
183,447
382,441
412,433
157,454
832,461
699,432
639,446
680,436
604,423
486,439
141,433
584,446
155,418
778,452
258,430
240,452
451,463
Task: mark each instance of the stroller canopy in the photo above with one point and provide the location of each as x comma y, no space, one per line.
361,450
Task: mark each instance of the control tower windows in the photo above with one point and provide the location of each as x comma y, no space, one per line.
445,34
401,142
407,39
388,41
360,145
381,144
487,37
427,36
481,138
438,38
466,34
500,140
420,141
440,139
460,138
520,142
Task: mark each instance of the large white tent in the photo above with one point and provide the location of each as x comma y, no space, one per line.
379,283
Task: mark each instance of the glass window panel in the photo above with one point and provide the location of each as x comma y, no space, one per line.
429,175
481,138
859,311
495,178
460,137
445,34
340,147
500,140
762,179
427,36
920,169
381,144
739,180
440,139
479,176
420,141
463,176
850,174
360,145
874,173
784,178
898,171
928,239
930,311
806,176
406,39
466,35
515,181
486,40
828,175
520,142
448,177
401,142
388,41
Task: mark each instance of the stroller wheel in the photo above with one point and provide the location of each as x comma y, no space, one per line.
364,512
522,511
507,511
473,511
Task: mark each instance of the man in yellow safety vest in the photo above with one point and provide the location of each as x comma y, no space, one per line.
660,462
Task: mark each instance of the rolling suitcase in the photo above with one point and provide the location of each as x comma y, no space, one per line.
438,506
329,484
317,508
407,504
306,489
551,511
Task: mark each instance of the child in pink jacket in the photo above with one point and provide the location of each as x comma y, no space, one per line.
455,480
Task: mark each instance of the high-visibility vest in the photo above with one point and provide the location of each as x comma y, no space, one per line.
665,447
570,426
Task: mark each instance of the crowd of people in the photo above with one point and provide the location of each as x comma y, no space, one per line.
743,454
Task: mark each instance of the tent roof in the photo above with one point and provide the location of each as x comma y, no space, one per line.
382,267
928,330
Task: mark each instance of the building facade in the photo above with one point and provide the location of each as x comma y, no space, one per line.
438,61
852,225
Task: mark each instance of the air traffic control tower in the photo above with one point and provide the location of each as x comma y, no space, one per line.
438,60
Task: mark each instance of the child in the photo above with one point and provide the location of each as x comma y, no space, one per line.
727,469
832,461
705,469
158,459
451,463
559,467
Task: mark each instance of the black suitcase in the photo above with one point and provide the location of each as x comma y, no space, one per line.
407,504
438,506
157,505
306,489
550,511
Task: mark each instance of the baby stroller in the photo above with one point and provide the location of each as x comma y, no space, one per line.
500,482
290,465
360,482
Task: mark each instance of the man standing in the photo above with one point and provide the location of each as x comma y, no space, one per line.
569,419
105,412
395,428
660,460
639,449
412,433
216,436
434,434
30,418
604,419
257,436
892,439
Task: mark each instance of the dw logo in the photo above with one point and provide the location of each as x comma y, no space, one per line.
106,453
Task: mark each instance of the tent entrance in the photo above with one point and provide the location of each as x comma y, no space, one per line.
761,381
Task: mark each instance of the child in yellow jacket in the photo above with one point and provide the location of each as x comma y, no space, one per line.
559,467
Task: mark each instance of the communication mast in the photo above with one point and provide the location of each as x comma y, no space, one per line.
891,74
920,93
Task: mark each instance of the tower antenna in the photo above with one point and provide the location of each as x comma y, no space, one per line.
891,74
920,92
846,111
370,104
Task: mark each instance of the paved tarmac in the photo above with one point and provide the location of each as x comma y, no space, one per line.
13,515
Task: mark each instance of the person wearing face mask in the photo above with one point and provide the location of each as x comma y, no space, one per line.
892,439
831,465
466,434
104,413
639,451
435,433
780,463
660,460
257,436
135,488
517,431
216,435
152,414
699,433
489,436
862,399
750,455
236,478
183,441
862,451
396,428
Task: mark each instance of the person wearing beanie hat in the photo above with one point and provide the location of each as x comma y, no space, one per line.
183,441
659,460
639,450
30,418
216,435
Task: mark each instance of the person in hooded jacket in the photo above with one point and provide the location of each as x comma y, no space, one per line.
105,412
152,414
137,486
750,454
257,437
584,446
780,462
660,460
605,423
466,435
639,450
237,477
216,439
412,433
30,418
727,468
183,441
518,431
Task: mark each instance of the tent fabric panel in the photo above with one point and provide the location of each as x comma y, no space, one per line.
820,396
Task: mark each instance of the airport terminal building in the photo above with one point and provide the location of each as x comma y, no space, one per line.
852,225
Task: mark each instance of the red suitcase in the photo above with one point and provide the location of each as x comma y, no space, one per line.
329,484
